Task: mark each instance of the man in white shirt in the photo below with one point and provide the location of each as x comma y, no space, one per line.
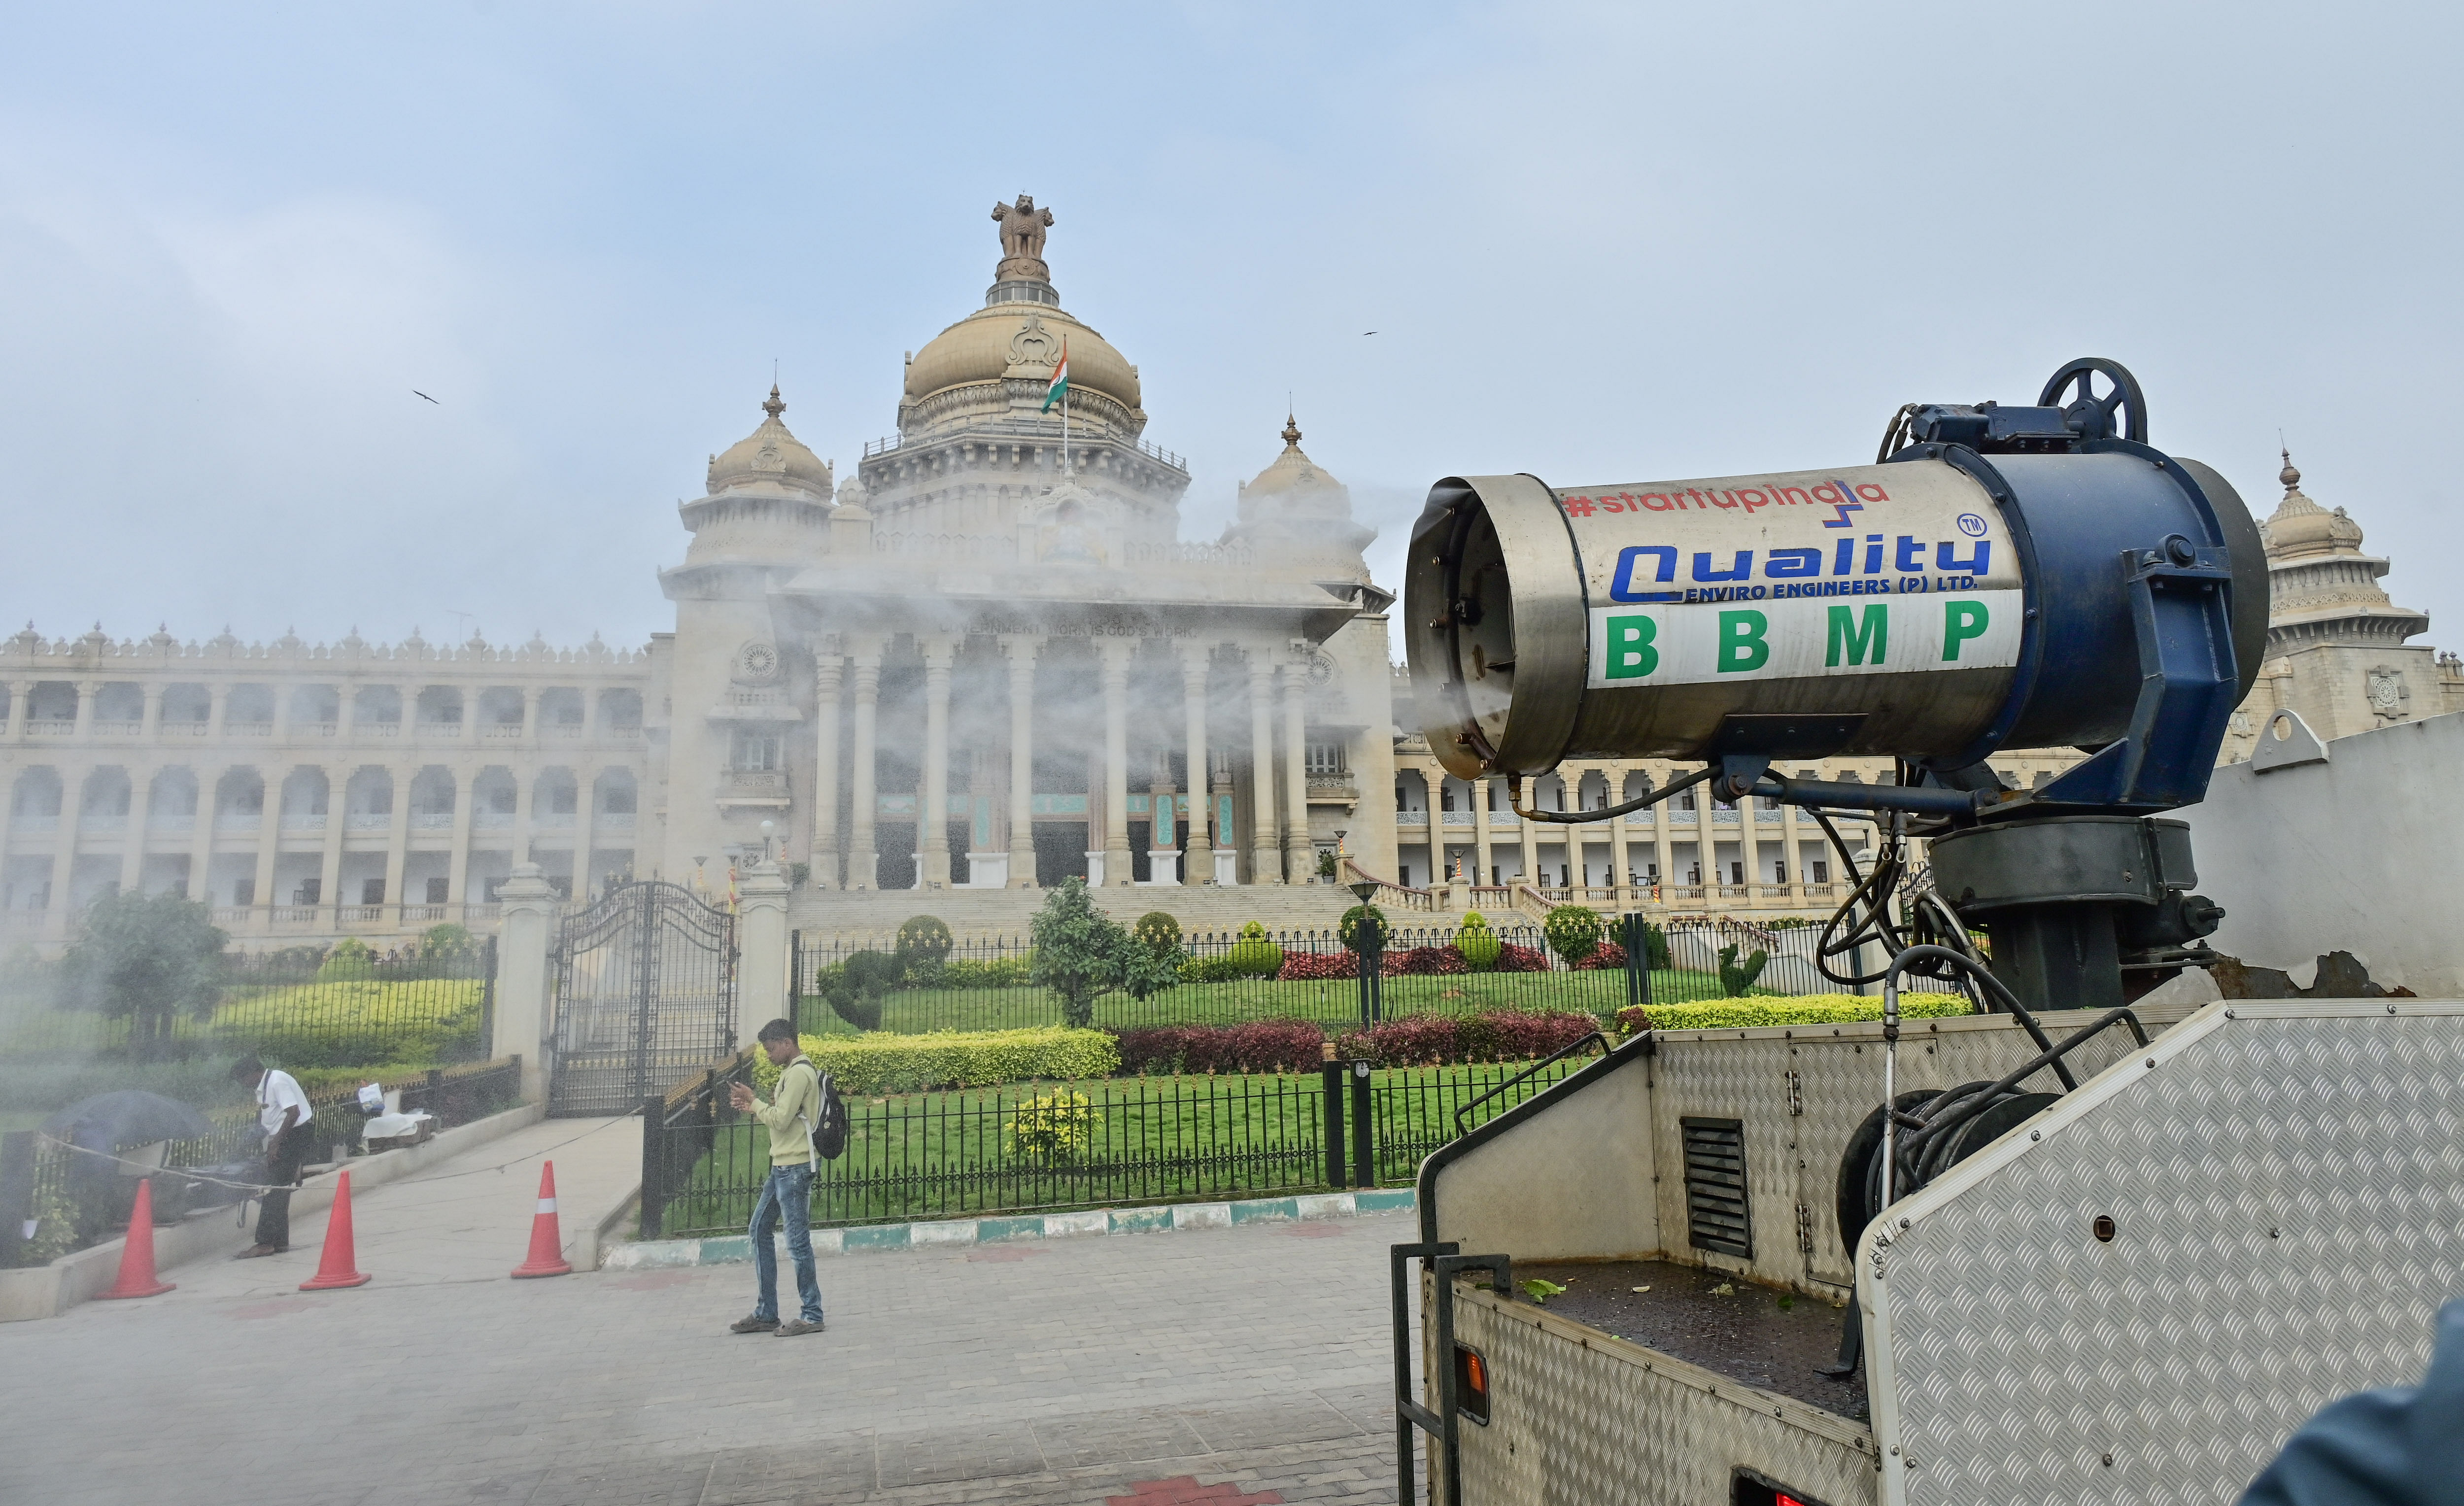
283,1113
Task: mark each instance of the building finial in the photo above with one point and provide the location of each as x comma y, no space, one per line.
1291,431
774,408
2291,477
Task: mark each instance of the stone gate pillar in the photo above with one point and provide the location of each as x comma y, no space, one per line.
761,950
522,973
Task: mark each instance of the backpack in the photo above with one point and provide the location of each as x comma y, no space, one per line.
827,1139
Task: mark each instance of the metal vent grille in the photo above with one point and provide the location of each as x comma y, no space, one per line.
1716,1213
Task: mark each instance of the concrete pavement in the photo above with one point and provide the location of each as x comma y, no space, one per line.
1145,1367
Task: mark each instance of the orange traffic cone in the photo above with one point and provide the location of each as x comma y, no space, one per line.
547,1243
339,1266
137,1276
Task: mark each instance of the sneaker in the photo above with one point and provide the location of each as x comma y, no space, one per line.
799,1328
754,1324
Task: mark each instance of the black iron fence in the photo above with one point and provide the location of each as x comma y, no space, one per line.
302,1008
54,1199
988,982
1039,1147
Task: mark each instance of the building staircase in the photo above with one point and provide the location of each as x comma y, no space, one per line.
856,914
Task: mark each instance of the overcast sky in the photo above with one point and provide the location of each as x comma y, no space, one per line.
1597,244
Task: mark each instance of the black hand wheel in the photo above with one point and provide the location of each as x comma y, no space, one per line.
2073,390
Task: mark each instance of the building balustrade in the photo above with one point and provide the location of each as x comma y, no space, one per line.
239,821
553,820
1460,818
502,731
614,821
173,821
303,821
49,727
91,821
119,729
1411,818
368,821
491,820
249,729
431,820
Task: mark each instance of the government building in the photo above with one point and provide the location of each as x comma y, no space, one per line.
983,662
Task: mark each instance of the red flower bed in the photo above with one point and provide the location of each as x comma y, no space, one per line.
1425,962
1608,954
1438,1040
1316,967
1258,1046
1513,959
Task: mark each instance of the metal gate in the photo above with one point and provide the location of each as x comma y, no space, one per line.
644,994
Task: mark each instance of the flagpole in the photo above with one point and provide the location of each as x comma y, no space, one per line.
1065,427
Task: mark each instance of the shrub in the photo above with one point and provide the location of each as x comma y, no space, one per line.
1441,1040
1426,961
1052,1126
1326,865
1572,932
878,1062
1253,956
923,940
1655,945
1210,969
1082,954
1257,1046
999,972
1161,930
1476,941
1513,959
350,958
854,987
1608,954
351,1022
1347,929
1317,966
1736,978
1813,1008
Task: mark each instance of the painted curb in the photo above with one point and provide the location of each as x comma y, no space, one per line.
661,1254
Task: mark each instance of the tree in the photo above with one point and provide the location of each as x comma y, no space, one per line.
1082,954
147,958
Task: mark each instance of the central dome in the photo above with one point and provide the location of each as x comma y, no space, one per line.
1020,341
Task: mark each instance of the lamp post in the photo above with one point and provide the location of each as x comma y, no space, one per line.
1368,943
766,827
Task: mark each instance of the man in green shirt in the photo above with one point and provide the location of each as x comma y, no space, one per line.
787,1194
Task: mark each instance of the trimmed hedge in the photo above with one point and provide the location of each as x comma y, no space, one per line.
879,1062
1318,966
348,1022
1606,957
1258,1046
1445,1040
1812,1009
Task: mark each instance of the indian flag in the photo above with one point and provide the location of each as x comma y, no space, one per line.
1060,386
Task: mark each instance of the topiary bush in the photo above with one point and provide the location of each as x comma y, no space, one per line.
1476,943
1160,932
1736,978
1572,932
1513,959
1253,956
923,940
1607,956
1210,969
1347,929
1425,962
854,987
1655,945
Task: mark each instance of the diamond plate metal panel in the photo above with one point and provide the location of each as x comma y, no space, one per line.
1578,1416
1796,1157
2286,1184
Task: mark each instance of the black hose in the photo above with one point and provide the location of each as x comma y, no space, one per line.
1575,818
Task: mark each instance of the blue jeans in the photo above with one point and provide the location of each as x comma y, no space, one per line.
788,1192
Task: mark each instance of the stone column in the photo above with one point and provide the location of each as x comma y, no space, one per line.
1198,867
1021,650
281,694
526,787
1265,845
1530,833
1480,840
217,706
153,727
132,853
761,956
522,977
1615,775
201,832
469,739
398,838
829,671
933,801
585,831
329,873
1116,653
269,839
863,861
1300,854
21,692
87,690
64,846
466,798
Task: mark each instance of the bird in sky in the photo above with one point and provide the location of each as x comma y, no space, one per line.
1367,333
416,392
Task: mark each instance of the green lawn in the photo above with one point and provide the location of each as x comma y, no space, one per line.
913,1011
955,1154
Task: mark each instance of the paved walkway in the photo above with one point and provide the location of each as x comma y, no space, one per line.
1144,1368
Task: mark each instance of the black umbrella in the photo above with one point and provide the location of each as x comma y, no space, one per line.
129,1116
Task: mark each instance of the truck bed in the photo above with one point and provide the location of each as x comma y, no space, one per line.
1744,1334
